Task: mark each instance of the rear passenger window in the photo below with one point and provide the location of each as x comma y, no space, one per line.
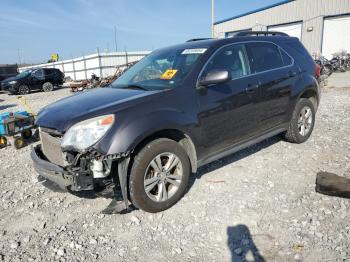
264,56
232,58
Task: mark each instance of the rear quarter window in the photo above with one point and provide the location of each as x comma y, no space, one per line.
287,60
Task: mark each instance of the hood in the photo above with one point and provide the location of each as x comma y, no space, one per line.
100,101
13,78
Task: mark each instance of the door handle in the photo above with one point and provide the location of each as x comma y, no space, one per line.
252,88
291,74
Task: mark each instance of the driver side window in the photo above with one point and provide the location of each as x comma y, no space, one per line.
232,58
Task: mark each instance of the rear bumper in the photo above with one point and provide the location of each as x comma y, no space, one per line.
76,180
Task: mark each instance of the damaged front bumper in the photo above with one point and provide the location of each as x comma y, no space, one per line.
78,178
73,179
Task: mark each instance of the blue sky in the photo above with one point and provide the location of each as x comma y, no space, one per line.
76,27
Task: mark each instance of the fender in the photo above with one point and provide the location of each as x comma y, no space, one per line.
130,133
128,136
304,84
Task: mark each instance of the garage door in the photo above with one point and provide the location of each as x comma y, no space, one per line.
336,35
293,29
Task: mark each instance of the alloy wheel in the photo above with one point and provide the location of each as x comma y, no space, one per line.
305,120
163,177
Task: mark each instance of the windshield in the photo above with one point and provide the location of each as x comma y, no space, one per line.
24,73
162,69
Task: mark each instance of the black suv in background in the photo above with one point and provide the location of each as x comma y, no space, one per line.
179,108
7,71
34,79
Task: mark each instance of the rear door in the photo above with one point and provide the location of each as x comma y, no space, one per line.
276,73
227,111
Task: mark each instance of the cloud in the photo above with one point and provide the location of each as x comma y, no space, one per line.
10,20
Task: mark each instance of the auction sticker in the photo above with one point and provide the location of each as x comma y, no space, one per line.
168,74
194,51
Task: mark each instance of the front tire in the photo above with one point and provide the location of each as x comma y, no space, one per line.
23,90
302,123
159,175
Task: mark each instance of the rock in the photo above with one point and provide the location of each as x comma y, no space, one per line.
93,241
46,241
61,252
178,250
26,239
296,257
15,245
135,220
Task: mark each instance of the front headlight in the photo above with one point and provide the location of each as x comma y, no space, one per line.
86,133
12,82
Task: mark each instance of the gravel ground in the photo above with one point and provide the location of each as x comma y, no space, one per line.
257,203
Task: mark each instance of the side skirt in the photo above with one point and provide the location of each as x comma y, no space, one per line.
237,147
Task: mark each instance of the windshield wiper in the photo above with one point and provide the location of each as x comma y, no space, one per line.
133,86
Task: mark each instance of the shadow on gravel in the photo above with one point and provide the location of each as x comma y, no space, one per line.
241,245
232,158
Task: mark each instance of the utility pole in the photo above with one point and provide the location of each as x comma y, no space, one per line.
19,56
115,38
212,18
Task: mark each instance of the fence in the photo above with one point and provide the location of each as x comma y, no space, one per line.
101,64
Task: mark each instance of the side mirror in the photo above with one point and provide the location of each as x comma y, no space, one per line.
215,76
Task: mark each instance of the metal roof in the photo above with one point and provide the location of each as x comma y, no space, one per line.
254,11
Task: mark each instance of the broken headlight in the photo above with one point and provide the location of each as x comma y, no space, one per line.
86,133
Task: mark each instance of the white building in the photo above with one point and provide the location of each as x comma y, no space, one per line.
322,25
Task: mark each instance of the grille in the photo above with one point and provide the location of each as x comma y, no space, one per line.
51,147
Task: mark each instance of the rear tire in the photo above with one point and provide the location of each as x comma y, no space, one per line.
48,87
153,172
23,90
302,123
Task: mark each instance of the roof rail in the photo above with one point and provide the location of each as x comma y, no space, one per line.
260,33
198,39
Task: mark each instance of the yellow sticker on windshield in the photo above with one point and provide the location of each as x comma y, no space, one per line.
168,74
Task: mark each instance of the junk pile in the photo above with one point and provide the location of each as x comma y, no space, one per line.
95,81
17,126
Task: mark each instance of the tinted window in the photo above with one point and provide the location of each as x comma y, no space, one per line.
38,73
48,72
231,58
264,56
287,60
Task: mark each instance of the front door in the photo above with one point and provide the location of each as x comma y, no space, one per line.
227,111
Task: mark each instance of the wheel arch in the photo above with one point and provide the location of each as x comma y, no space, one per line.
312,95
174,134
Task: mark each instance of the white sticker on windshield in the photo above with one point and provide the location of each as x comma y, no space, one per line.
194,51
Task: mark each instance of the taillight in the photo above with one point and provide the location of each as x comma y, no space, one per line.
318,71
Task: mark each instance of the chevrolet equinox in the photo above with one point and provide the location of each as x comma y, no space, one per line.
177,109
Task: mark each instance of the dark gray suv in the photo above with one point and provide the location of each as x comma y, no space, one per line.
179,108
